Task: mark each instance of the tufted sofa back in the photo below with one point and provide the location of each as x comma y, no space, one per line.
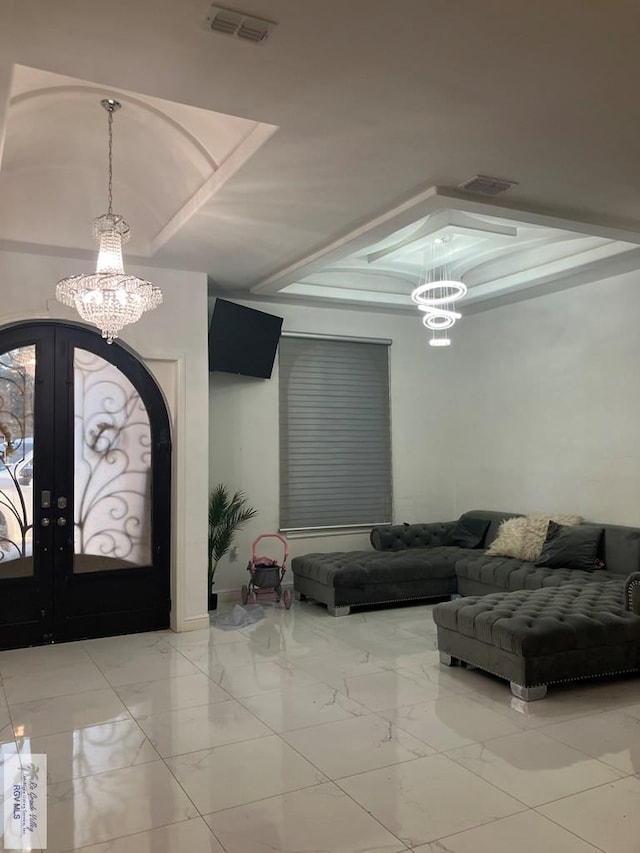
398,537
619,546
494,518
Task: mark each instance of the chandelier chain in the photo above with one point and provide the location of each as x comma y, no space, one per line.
110,119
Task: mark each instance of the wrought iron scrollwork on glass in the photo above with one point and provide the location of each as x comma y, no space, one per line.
17,372
112,468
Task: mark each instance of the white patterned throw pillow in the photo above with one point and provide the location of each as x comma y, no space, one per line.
523,537
510,539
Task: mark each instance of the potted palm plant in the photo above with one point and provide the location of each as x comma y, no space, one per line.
227,514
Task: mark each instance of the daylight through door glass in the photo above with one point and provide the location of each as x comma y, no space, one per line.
17,373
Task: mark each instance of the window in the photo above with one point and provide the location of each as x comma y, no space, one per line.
335,436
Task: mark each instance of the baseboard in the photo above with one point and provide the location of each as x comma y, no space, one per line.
226,595
196,623
234,595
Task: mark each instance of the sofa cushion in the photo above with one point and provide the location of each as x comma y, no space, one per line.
510,539
523,537
620,549
537,528
510,574
545,621
571,547
494,518
323,567
355,568
468,532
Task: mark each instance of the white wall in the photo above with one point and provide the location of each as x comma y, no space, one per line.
173,339
534,407
244,430
546,413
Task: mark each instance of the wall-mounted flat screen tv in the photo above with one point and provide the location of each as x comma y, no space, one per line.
243,340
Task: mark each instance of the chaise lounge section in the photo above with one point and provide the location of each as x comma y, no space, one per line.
348,579
409,562
545,636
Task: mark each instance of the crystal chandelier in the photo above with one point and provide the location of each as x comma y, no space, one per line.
109,298
436,294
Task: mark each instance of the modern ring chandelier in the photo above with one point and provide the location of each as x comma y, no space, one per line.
109,298
437,294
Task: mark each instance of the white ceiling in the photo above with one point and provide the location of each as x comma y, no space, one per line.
280,169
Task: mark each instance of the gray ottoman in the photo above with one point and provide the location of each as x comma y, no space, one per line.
537,637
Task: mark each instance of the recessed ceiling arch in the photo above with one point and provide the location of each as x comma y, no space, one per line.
97,93
55,158
169,161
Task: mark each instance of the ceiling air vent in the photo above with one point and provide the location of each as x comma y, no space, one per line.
484,185
232,23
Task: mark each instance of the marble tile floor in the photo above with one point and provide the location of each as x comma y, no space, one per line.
309,733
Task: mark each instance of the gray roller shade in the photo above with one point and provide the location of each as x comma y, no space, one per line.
335,437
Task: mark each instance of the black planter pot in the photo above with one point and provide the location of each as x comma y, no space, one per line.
213,601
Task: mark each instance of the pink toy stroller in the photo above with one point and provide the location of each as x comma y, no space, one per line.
266,575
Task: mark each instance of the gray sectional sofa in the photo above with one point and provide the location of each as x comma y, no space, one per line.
530,624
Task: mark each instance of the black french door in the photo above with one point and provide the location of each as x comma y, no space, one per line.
85,466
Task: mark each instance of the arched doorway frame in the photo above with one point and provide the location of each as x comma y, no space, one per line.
168,407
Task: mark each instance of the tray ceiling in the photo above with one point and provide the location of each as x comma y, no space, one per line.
498,257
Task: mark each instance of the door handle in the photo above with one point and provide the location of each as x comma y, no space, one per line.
61,521
45,522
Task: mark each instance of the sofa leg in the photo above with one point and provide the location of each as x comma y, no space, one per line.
447,660
299,596
528,694
339,611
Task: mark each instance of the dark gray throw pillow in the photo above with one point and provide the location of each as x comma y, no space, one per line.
571,547
468,532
